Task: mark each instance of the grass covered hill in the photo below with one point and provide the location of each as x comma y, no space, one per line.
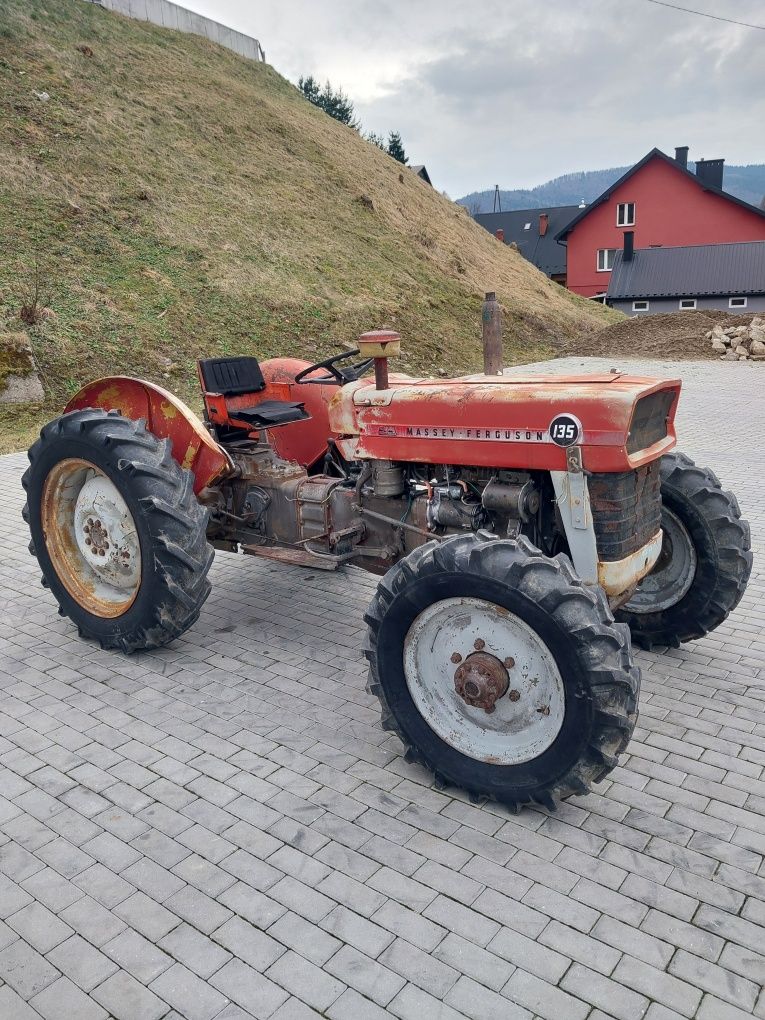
162,198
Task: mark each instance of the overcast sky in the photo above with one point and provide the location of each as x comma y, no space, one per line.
515,92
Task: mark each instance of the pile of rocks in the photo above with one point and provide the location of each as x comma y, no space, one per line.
739,343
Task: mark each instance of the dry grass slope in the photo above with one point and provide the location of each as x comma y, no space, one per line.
179,200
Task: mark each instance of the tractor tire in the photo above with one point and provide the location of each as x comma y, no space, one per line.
704,564
117,530
443,625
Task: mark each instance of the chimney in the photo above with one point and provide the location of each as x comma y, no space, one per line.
499,234
681,156
544,222
710,172
629,245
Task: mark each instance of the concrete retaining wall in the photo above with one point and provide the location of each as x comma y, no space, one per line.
170,15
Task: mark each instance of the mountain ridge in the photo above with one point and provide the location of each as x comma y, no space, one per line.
746,182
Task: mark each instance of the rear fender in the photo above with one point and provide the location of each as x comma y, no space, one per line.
166,416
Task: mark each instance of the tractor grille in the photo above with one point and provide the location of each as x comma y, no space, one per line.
649,420
626,510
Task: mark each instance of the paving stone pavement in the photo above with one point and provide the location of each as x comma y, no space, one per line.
220,829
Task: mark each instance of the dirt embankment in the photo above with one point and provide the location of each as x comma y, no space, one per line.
675,336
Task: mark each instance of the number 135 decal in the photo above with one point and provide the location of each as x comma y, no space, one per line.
565,430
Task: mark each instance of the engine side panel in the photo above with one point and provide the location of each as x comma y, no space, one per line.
500,423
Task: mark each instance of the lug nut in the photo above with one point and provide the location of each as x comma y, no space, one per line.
479,644
514,695
456,657
509,662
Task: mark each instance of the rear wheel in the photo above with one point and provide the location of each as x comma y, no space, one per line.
117,530
500,671
704,564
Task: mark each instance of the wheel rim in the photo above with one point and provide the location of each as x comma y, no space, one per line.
674,572
464,655
91,538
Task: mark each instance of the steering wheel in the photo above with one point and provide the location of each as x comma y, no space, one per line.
334,374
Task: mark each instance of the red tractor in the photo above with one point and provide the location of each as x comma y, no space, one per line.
524,525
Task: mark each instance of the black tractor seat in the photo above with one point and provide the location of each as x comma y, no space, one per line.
270,413
233,377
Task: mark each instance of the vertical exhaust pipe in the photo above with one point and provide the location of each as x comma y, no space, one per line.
491,321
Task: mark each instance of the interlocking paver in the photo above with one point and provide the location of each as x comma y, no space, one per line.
203,814
81,962
39,927
137,956
64,999
249,989
192,997
25,970
127,999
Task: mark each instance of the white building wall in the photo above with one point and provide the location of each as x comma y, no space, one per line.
170,15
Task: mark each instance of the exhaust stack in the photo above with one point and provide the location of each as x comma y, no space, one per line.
491,321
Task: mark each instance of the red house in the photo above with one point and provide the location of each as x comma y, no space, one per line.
665,205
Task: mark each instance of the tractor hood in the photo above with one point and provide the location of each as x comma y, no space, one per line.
518,421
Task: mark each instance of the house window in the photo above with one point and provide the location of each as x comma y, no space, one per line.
625,214
687,304
737,302
527,226
640,306
606,259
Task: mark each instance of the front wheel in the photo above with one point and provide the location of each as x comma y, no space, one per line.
704,564
500,671
117,530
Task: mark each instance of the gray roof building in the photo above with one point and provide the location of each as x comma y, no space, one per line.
729,276
534,232
422,172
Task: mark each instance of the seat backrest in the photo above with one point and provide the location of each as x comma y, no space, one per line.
231,376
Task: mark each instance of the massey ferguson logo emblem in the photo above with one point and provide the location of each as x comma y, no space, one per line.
447,432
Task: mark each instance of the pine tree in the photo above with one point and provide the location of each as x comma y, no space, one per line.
377,140
310,89
332,101
396,147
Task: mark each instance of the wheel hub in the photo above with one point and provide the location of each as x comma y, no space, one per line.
91,537
481,681
460,655
105,533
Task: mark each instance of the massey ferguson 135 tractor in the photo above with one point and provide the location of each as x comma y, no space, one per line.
514,519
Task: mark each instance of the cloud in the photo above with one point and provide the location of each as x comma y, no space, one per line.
517,92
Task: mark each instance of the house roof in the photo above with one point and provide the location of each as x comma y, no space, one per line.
654,153
545,252
422,171
701,270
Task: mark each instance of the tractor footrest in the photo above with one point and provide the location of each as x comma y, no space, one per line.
270,413
293,557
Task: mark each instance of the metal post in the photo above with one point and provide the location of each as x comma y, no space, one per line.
381,373
491,319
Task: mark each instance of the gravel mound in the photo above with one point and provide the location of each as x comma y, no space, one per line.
674,336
